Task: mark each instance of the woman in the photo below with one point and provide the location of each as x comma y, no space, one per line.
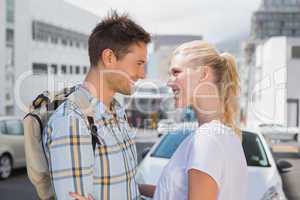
210,163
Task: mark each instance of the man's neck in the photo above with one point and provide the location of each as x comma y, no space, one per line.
98,87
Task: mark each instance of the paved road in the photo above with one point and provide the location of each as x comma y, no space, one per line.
18,187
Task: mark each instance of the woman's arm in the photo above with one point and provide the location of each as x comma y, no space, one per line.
201,186
147,190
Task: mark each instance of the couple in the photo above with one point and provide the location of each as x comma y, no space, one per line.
208,165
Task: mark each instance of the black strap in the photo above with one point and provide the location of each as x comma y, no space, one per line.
93,127
37,118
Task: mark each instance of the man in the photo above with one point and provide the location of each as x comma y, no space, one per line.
118,54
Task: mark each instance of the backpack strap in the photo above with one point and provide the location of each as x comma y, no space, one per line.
93,127
85,106
35,116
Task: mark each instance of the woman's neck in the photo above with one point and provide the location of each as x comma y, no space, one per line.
204,116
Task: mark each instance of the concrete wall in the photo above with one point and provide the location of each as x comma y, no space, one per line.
293,83
270,85
2,54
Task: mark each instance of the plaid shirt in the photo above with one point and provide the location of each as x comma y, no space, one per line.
107,174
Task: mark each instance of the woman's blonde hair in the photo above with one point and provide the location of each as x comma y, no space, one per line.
200,53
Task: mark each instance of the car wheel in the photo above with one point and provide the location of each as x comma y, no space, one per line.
5,166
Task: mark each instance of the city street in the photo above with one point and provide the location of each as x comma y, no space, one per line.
19,187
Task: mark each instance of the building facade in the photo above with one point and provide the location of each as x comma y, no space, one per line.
273,18
276,18
45,47
276,93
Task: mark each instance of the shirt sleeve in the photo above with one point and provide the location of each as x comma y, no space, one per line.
205,155
71,157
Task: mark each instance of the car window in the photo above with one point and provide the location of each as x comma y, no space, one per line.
170,143
254,150
14,127
2,127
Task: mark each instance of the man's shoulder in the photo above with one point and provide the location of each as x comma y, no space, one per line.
64,113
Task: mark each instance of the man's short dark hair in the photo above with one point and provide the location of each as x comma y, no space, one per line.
115,32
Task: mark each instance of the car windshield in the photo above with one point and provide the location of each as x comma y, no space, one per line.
253,148
170,143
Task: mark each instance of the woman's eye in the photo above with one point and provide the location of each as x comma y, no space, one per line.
175,73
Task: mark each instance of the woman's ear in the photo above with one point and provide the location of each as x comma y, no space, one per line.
204,73
108,58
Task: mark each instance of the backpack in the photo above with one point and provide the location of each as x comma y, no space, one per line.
40,111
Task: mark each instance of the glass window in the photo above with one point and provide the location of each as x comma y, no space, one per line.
63,69
254,150
71,69
14,127
170,143
77,70
9,35
54,69
39,68
2,127
64,42
10,11
54,40
84,69
296,52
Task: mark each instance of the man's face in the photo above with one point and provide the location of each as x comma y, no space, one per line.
128,69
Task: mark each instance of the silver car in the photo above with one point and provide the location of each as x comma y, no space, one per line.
12,153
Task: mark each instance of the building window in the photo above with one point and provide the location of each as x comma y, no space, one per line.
10,4
63,69
7,96
9,36
54,40
77,70
296,52
77,45
64,41
84,69
39,68
71,69
54,69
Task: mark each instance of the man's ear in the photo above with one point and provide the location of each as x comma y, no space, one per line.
108,58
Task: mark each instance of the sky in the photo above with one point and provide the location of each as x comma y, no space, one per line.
215,20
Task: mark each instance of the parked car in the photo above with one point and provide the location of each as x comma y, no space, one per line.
264,182
165,125
12,153
279,132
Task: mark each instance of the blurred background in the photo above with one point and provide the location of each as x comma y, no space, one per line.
43,46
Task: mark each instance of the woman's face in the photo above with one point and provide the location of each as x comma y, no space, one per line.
183,80
193,86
